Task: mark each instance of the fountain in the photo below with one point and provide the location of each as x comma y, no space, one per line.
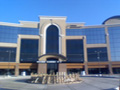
58,78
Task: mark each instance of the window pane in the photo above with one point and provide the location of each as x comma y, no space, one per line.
97,54
9,34
75,52
93,35
7,54
114,38
52,40
29,50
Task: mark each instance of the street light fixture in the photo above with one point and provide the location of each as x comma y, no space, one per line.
98,57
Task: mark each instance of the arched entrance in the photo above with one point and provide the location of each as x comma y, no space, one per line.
51,60
51,63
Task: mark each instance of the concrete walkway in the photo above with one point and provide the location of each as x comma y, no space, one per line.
89,83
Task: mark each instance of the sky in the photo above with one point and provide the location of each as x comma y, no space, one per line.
92,12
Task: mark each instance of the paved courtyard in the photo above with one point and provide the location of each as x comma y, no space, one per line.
89,83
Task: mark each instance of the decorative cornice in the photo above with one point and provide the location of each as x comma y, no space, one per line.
53,17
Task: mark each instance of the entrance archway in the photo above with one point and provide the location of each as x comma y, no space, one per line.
51,63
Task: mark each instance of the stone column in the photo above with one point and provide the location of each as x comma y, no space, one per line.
108,51
17,69
62,67
42,68
86,68
85,56
110,68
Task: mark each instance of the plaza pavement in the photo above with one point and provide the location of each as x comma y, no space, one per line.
89,83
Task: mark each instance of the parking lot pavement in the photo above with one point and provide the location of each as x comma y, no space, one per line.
89,83
13,77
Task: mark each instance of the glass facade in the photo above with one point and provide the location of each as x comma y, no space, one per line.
5,72
76,70
98,71
114,38
97,54
28,31
74,50
7,54
116,70
54,43
52,40
93,35
9,34
28,71
29,51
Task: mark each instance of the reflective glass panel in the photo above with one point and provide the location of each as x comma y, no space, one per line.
29,50
7,54
116,70
9,34
52,40
93,35
114,38
97,54
74,50
98,70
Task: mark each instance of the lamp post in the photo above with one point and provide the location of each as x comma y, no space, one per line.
98,57
8,71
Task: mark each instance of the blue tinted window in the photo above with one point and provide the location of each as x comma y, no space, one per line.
52,39
114,37
97,54
93,35
28,31
7,54
29,50
98,70
9,34
116,70
74,52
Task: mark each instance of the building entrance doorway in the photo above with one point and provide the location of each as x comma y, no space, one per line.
52,66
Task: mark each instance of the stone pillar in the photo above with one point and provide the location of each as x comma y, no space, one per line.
62,67
42,68
110,68
17,69
86,68
108,50
85,56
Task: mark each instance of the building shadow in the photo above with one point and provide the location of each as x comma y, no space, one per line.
101,76
110,89
22,80
6,89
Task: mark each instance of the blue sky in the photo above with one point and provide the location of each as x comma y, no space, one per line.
92,12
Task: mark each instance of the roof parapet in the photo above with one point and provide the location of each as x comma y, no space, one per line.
10,24
75,25
53,17
30,24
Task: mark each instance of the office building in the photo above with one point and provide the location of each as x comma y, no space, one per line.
53,45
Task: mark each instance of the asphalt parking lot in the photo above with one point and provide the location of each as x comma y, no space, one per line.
89,83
